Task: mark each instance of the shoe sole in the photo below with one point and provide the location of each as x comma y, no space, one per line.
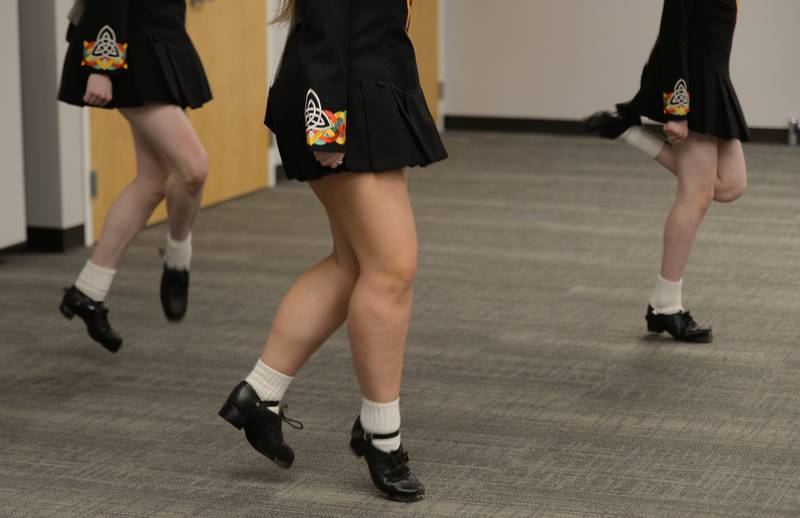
405,499
231,414
174,318
700,339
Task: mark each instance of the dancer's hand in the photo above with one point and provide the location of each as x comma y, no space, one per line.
328,159
99,90
676,131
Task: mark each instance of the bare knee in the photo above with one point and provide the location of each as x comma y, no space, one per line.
394,281
731,191
194,172
697,199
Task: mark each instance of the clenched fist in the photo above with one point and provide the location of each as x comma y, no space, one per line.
99,90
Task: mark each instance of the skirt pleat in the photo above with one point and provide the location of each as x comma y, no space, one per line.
715,108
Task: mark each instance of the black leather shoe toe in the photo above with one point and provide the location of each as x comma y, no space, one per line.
174,293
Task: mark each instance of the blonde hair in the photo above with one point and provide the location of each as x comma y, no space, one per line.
285,12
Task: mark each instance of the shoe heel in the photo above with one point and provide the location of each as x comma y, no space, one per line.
230,413
68,314
357,448
655,330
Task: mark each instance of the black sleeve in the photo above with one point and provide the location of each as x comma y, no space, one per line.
104,33
674,58
323,49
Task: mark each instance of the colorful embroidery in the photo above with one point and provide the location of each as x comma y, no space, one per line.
677,102
105,53
408,16
323,126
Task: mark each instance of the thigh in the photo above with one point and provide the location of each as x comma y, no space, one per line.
696,159
375,216
167,130
731,163
342,248
149,164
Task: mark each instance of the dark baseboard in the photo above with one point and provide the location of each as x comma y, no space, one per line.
513,125
14,249
54,240
769,136
568,127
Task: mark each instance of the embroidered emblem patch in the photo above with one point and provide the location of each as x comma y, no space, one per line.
677,102
105,53
323,126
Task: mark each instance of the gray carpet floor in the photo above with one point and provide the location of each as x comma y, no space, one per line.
531,387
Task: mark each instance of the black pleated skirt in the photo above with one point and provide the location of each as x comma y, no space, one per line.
388,128
163,68
715,108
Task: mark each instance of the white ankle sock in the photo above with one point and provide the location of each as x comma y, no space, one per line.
95,281
643,140
178,254
381,418
666,297
269,384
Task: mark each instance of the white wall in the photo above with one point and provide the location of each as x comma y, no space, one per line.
55,173
277,34
563,59
12,185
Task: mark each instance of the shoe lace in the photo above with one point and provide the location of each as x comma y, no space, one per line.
399,464
100,308
294,423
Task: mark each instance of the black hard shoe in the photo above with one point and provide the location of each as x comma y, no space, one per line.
389,471
681,326
262,426
174,293
94,315
611,125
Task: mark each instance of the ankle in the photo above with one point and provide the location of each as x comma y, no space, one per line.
269,384
95,281
667,296
382,419
178,254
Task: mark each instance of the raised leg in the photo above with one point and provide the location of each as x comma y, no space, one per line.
132,208
167,130
314,308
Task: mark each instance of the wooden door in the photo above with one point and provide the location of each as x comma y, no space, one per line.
424,33
231,38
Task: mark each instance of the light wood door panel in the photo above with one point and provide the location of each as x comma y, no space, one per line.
113,163
231,38
425,35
